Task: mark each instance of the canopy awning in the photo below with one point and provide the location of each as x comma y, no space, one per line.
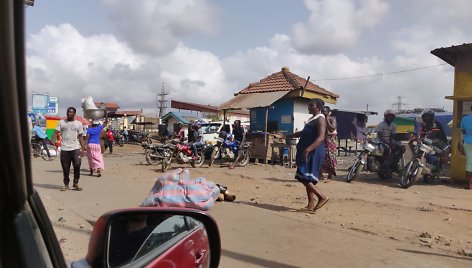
252,100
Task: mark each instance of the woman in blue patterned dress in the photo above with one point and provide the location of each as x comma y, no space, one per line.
311,154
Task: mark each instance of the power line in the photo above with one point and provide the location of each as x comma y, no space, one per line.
380,74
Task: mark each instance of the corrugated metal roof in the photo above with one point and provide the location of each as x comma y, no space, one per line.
450,54
253,100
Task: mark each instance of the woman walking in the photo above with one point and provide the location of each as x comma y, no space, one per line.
330,162
310,155
94,150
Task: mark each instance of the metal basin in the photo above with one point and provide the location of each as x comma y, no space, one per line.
94,114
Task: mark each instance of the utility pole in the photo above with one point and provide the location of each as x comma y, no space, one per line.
161,101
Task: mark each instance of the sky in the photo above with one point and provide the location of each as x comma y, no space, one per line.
204,51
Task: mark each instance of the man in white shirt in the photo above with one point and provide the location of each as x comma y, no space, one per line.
72,146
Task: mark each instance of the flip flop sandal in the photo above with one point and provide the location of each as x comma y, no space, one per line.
305,209
320,205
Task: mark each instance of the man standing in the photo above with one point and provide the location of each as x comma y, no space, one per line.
73,146
125,133
110,140
181,134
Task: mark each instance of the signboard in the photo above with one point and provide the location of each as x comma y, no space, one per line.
53,104
40,103
43,104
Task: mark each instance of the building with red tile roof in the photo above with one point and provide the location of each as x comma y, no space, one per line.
279,101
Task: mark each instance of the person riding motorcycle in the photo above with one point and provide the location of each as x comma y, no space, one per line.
198,134
393,150
433,130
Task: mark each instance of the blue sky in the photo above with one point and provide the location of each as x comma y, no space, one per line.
205,51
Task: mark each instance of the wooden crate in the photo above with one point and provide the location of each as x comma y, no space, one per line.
258,149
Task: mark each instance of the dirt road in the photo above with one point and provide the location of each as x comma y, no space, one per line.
369,223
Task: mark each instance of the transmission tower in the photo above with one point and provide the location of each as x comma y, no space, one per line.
161,101
399,104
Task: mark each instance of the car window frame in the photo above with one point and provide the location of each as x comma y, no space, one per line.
27,238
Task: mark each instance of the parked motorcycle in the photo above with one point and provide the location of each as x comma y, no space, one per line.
372,159
229,150
138,137
428,161
154,153
182,153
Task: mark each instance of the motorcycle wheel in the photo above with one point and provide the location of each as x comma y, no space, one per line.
166,162
214,155
412,174
354,170
199,161
245,159
151,160
121,143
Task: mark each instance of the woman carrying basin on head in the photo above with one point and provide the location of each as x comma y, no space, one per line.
94,149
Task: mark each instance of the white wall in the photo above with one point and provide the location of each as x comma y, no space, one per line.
300,114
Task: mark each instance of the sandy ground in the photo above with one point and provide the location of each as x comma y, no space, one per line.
368,223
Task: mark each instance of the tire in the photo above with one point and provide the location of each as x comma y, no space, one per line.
167,161
199,162
412,174
245,159
354,170
214,155
121,143
151,160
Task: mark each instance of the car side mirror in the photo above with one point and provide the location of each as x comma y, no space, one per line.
154,237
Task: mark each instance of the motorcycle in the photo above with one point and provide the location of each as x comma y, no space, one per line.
154,153
38,150
138,137
227,150
182,153
119,138
428,161
372,159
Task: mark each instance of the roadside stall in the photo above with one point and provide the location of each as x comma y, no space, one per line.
461,58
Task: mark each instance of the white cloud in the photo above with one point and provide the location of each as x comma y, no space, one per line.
336,25
64,63
68,64
155,27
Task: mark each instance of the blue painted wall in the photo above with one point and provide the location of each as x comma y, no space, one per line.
281,109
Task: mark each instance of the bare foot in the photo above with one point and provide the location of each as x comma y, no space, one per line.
306,209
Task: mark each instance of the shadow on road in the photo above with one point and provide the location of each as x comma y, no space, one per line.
47,186
254,260
434,254
280,180
267,206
